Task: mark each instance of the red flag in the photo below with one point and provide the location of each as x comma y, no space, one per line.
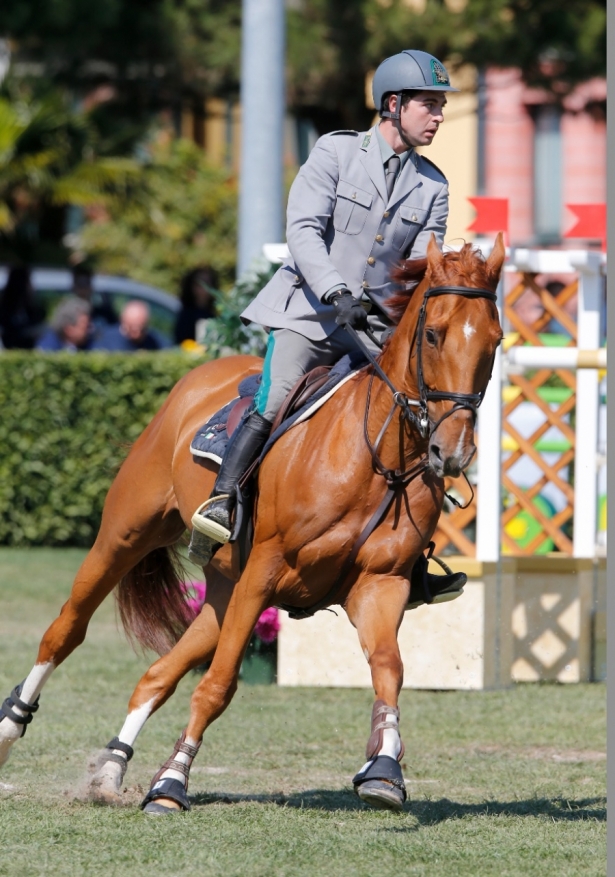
491,215
591,222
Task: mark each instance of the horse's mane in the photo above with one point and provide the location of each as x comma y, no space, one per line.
465,266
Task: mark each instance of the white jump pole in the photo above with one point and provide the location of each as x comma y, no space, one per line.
489,462
587,405
557,357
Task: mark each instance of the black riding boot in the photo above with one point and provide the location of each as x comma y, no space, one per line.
214,520
428,588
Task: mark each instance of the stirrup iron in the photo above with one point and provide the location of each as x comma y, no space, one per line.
207,527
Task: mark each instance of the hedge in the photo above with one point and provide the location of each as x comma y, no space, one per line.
66,424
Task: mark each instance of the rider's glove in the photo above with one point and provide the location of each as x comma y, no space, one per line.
349,311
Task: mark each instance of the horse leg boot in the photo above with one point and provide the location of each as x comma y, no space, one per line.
168,790
94,580
380,782
156,686
212,520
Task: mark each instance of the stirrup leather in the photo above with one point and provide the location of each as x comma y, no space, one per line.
206,526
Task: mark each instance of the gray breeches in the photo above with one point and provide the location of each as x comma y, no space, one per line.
290,355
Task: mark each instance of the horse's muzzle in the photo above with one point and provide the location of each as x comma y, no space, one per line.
451,464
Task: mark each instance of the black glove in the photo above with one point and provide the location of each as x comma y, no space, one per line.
350,312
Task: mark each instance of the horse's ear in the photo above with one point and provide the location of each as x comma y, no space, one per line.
496,258
434,253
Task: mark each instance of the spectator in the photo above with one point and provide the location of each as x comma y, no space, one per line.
20,317
198,302
69,328
133,332
102,313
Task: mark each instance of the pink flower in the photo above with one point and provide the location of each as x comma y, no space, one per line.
268,625
195,596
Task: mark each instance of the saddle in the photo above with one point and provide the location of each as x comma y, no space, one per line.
310,391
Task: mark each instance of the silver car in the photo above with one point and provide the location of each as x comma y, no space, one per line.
51,284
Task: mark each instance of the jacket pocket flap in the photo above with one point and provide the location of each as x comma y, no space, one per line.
353,193
413,214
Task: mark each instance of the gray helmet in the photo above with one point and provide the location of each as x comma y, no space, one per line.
410,70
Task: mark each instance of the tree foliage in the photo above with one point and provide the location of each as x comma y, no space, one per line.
48,158
176,213
157,52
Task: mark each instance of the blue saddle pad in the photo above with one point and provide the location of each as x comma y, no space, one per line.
212,438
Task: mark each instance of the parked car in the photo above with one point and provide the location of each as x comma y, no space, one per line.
52,284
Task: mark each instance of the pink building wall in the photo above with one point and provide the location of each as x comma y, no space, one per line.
509,149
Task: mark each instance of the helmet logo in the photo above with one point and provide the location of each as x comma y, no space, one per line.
440,76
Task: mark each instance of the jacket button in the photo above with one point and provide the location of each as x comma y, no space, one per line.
414,217
379,238
296,278
365,284
371,261
354,195
386,214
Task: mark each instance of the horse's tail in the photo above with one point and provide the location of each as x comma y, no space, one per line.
151,601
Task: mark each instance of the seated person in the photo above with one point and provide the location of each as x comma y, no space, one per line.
133,332
21,318
197,301
102,313
69,328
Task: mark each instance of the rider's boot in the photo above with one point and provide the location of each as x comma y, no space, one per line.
428,588
212,521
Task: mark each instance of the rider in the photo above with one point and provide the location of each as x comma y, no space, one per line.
361,203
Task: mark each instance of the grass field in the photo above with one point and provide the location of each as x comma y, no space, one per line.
500,783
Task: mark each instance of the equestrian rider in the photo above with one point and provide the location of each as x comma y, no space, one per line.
360,204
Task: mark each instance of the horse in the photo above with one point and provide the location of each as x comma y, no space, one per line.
348,534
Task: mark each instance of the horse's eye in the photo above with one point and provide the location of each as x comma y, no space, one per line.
430,336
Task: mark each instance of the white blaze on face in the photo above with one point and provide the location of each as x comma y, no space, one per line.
468,330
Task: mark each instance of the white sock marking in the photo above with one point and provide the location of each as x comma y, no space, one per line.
135,721
33,684
10,731
391,741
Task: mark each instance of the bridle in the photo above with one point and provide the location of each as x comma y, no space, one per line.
470,401
421,420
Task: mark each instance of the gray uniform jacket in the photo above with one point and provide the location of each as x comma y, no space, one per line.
342,229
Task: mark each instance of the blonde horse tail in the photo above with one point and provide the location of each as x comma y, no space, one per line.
151,601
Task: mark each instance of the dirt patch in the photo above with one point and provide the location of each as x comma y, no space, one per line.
540,753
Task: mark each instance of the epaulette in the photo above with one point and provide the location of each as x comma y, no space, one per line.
350,133
433,164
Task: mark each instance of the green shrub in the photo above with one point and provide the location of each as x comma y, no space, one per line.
66,425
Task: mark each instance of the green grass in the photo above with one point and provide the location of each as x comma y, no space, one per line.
500,783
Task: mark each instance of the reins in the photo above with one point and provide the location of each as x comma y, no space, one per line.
396,479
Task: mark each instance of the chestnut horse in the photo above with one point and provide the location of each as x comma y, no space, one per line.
438,361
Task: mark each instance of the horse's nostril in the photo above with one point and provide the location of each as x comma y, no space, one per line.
435,450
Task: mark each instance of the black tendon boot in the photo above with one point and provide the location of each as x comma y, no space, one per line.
213,519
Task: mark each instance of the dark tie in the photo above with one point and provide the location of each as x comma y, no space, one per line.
391,173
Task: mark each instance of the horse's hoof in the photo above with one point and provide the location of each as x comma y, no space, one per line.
9,733
382,795
105,787
155,808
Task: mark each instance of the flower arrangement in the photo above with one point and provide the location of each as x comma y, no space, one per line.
267,626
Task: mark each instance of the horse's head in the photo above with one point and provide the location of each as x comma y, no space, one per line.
453,347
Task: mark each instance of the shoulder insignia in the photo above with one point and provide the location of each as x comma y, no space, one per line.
434,165
350,133
366,140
